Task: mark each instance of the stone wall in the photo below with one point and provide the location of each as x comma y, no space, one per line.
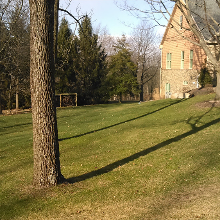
181,82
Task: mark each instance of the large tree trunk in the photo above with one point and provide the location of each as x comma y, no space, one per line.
16,95
0,102
142,89
218,83
45,135
56,18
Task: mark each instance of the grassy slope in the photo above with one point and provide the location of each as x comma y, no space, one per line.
154,160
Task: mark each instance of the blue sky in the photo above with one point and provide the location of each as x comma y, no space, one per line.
107,14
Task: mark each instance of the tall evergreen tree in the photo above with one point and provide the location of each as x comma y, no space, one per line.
122,71
91,69
65,73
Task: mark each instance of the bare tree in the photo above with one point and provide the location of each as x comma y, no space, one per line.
19,51
146,54
107,42
45,134
202,19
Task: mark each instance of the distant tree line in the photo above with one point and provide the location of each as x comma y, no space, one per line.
14,56
81,63
95,67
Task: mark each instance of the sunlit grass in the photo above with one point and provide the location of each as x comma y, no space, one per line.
124,161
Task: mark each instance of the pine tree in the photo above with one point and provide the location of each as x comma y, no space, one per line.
66,54
91,69
122,71
205,78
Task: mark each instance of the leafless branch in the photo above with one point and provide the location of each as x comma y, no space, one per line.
71,15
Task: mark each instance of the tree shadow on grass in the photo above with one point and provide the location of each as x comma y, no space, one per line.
3,129
126,160
129,120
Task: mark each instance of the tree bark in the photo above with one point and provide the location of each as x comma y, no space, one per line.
218,83
45,134
17,98
56,18
142,89
213,58
0,103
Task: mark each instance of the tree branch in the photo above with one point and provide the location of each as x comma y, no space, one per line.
71,15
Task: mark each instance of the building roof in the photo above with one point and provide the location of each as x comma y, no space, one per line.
197,10
208,22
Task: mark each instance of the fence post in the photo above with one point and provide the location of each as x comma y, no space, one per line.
60,100
76,99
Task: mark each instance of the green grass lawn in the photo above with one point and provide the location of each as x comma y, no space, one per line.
154,160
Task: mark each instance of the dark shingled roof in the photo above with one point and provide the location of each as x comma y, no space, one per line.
213,13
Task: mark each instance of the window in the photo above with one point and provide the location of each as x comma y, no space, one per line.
169,56
181,22
182,60
167,87
167,92
191,59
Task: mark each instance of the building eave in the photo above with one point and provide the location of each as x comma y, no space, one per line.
168,25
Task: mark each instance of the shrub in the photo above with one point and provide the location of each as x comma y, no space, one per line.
205,77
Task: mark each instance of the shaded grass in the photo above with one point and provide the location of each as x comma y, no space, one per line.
126,161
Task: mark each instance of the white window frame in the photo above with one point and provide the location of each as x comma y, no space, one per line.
169,59
182,60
